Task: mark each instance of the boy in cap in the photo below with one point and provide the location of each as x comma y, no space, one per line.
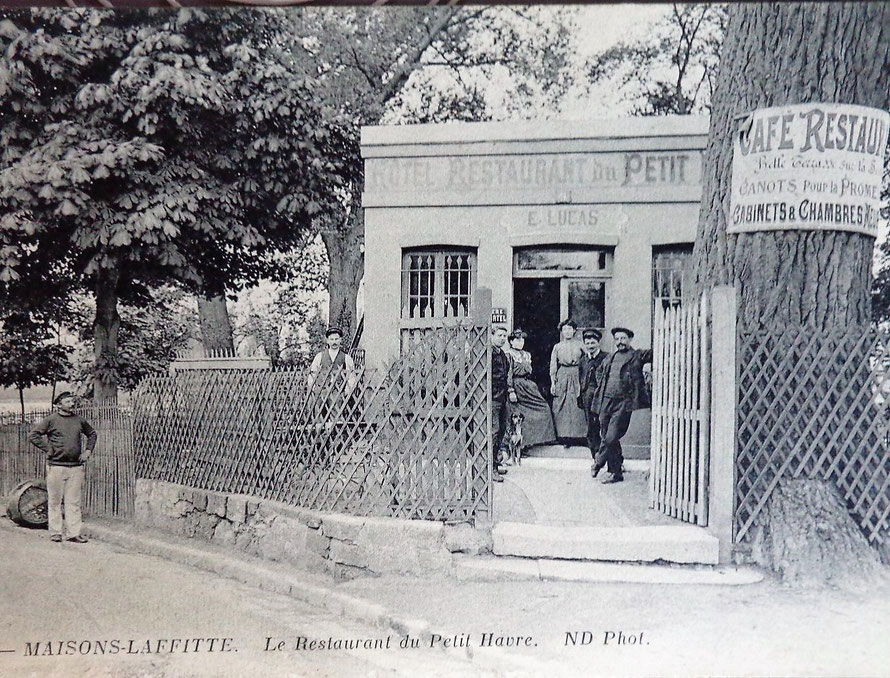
59,436
502,391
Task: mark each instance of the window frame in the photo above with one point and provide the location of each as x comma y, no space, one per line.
604,273
658,301
439,274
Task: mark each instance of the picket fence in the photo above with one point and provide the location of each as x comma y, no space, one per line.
678,479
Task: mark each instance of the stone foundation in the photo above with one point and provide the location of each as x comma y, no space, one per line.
332,543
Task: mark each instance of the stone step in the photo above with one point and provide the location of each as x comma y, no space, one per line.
637,452
509,568
580,464
641,544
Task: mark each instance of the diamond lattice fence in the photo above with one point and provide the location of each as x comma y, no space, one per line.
411,441
814,404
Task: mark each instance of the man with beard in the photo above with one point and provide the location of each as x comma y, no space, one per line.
621,390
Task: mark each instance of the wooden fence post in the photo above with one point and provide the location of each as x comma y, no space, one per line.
481,314
722,481
481,307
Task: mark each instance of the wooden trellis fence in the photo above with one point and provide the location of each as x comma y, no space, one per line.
678,482
110,474
814,404
412,441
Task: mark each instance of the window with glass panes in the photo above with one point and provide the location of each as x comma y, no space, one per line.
437,283
670,273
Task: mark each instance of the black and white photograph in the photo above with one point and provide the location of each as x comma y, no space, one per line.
444,339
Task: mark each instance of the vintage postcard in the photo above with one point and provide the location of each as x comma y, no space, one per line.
450,339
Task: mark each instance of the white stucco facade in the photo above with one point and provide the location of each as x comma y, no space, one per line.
625,186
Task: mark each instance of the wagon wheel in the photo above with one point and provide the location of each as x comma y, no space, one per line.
28,504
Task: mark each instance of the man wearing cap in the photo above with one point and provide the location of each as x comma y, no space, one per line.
331,361
501,391
588,371
621,390
59,436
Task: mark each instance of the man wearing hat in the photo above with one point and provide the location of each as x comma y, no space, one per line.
331,362
621,390
588,370
502,392
59,436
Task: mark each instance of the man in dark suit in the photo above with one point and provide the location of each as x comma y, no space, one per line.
501,392
621,390
588,370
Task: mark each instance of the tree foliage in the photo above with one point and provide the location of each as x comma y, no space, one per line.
422,65
281,317
413,64
29,353
145,147
152,334
673,69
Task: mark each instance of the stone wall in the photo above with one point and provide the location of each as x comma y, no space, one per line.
336,544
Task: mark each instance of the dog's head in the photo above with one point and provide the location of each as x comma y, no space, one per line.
516,418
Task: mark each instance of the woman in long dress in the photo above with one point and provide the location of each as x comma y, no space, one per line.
565,384
537,425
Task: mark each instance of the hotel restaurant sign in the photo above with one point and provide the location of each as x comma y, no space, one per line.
808,167
562,171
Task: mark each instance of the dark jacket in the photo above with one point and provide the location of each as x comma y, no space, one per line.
633,384
59,436
588,375
501,375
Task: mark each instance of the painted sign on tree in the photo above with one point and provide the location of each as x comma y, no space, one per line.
809,167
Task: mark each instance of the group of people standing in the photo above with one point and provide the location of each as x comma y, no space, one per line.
594,393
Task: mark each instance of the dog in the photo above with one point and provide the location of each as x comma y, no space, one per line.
512,442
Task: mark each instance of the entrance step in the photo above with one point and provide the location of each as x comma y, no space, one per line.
507,568
635,452
560,492
641,544
581,465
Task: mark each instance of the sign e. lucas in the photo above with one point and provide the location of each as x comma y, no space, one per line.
808,167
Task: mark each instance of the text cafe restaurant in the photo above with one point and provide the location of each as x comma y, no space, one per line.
591,220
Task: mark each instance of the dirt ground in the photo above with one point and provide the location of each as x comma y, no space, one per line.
763,629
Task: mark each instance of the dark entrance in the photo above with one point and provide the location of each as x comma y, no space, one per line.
536,309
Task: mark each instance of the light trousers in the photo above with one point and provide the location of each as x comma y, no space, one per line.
65,484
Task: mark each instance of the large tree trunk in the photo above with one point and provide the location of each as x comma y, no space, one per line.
105,331
347,263
216,328
826,540
775,54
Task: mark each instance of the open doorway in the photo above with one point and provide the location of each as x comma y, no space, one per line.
536,309
551,284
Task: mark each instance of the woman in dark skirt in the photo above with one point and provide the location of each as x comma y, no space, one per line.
537,425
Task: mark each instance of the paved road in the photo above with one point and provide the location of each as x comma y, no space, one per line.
106,611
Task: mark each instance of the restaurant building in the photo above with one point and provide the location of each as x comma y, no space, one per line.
591,220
